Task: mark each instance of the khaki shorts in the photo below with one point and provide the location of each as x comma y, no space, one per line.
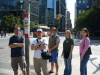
15,61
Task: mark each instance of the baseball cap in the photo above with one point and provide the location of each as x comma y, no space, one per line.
39,30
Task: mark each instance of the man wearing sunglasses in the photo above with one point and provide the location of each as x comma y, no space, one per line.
16,43
53,48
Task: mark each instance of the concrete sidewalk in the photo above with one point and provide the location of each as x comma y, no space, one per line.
93,64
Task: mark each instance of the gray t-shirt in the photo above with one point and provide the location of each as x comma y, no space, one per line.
58,40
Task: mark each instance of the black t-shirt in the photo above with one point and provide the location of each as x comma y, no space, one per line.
18,51
67,46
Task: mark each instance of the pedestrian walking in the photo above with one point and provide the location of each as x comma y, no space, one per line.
5,33
39,45
16,43
53,48
68,46
2,32
84,56
75,33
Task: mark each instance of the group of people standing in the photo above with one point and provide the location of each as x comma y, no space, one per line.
16,43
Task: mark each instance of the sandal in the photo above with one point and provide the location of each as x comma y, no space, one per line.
50,72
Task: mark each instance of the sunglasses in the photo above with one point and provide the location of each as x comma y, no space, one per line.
53,30
16,29
39,32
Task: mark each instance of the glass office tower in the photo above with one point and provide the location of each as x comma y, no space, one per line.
18,7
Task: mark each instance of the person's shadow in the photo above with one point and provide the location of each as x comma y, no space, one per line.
97,67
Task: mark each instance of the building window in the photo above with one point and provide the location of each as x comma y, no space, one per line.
87,6
79,11
79,2
83,1
83,10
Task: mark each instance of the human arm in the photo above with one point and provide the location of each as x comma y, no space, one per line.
86,44
42,47
71,50
34,47
14,45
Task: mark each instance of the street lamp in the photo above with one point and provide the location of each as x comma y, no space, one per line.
27,33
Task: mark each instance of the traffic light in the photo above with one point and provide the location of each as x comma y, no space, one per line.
58,16
18,17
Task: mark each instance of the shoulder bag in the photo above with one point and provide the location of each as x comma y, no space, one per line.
88,52
45,55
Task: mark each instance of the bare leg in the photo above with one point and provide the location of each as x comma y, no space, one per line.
57,67
16,72
52,67
24,72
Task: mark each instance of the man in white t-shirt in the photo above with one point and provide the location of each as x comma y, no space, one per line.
37,47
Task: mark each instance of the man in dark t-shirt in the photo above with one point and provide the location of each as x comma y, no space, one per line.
16,43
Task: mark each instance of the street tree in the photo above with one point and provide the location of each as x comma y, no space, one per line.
88,19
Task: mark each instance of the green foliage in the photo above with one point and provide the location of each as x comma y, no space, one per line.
32,23
41,24
9,21
87,18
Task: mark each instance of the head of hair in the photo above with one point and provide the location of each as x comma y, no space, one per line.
86,31
17,27
70,35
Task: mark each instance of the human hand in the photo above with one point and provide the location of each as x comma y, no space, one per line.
62,55
40,42
81,58
49,50
69,57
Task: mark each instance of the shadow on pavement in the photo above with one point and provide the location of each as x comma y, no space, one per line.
5,66
31,67
97,67
4,74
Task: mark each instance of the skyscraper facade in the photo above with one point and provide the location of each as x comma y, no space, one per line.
42,11
83,5
61,9
48,9
18,7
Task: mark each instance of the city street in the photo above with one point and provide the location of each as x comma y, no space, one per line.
93,64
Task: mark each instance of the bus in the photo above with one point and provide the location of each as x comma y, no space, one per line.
46,30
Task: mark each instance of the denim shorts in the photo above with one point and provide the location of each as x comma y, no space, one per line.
54,56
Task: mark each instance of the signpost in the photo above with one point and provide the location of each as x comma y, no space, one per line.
27,34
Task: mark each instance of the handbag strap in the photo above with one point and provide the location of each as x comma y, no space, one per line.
84,44
39,45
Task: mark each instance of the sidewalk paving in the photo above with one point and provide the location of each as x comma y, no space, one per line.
93,64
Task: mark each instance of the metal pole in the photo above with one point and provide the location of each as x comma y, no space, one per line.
27,34
65,19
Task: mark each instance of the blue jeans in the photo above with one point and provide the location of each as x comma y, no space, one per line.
83,65
68,66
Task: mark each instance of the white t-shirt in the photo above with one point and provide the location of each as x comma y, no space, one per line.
37,53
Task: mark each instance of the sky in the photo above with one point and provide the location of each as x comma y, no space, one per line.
71,7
